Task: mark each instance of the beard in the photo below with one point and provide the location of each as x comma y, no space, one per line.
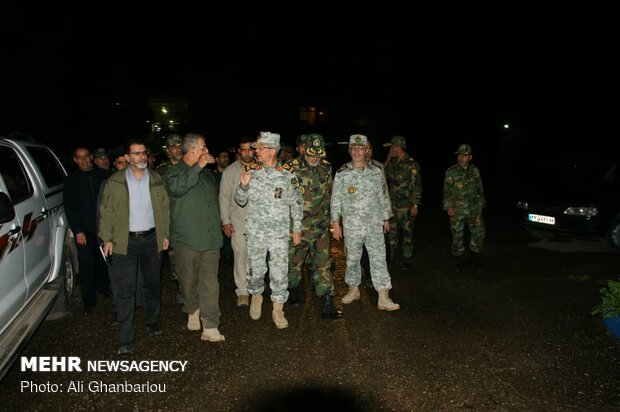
142,165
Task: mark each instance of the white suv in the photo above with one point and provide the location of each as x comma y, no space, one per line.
36,246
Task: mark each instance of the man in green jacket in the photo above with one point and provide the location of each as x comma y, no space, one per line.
134,226
196,235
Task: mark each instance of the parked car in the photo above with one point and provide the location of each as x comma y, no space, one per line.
585,206
37,258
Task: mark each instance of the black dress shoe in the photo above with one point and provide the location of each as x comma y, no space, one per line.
153,329
125,349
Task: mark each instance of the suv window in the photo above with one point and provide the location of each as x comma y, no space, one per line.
15,179
50,169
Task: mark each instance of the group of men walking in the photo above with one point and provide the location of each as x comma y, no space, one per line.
278,216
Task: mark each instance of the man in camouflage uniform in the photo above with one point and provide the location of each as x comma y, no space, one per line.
360,198
405,183
463,199
315,179
272,196
173,151
301,145
175,155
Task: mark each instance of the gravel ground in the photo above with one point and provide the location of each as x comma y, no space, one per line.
516,335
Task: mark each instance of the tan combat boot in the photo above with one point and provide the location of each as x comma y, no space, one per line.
193,320
385,303
255,306
352,294
212,335
278,316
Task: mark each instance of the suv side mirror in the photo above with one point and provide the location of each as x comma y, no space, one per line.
7,212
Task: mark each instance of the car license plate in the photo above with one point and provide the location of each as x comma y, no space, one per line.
547,220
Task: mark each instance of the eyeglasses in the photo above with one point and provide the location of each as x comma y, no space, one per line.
200,147
143,153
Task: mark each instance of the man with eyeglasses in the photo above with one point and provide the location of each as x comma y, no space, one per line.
196,235
233,218
272,196
134,226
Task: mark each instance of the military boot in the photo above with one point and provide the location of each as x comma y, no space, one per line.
353,294
193,320
385,303
329,310
255,306
474,260
460,263
278,316
293,297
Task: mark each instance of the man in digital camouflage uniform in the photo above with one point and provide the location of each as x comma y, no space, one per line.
272,196
359,197
404,179
463,199
315,179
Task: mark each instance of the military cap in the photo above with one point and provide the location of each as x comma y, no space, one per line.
358,140
173,139
397,141
301,139
267,139
100,152
315,146
463,149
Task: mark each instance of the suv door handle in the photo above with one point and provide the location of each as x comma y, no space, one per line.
16,230
45,212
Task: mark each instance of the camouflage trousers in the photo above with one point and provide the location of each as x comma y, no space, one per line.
314,247
476,232
172,261
354,240
401,224
258,247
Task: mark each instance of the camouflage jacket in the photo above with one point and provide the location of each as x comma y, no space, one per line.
404,179
316,188
359,196
462,188
273,198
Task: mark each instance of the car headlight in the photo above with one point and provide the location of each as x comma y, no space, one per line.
522,204
582,211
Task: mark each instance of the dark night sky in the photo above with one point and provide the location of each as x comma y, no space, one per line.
438,77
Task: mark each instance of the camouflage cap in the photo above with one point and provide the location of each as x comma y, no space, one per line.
358,140
301,139
100,152
173,139
463,149
398,141
267,139
315,146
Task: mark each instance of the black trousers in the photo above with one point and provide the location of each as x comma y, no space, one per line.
142,255
93,270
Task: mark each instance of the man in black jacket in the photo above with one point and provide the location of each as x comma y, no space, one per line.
80,199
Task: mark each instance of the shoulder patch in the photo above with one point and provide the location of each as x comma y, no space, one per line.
291,164
344,167
252,166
